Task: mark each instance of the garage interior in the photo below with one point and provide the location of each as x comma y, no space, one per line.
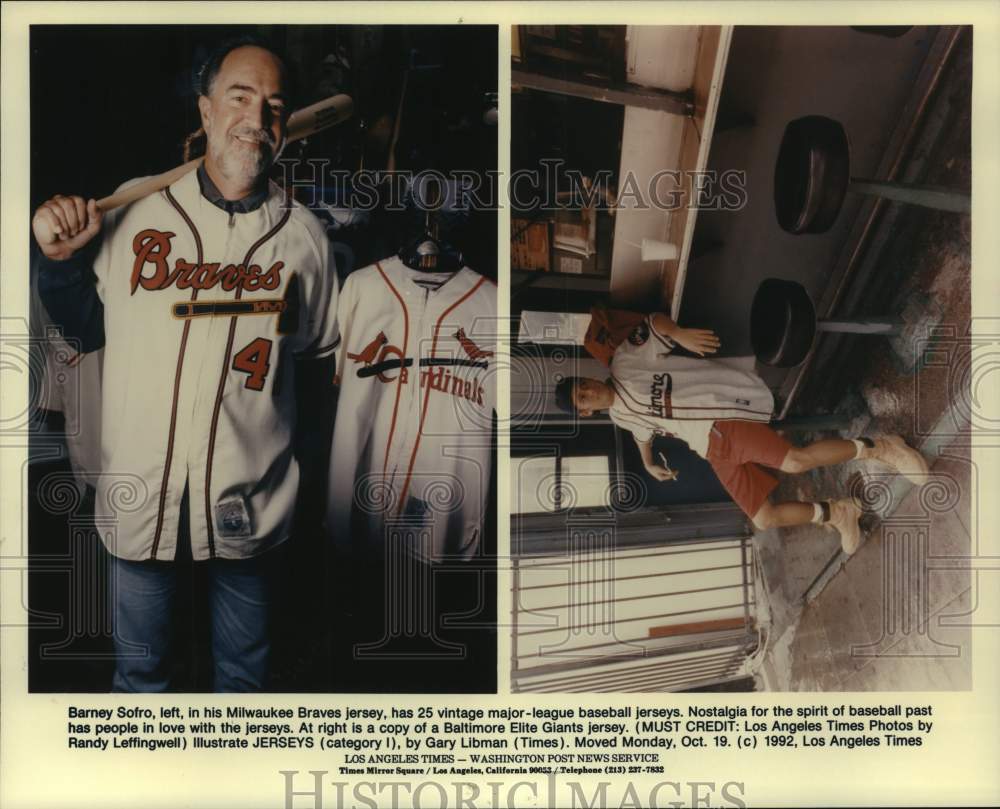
622,584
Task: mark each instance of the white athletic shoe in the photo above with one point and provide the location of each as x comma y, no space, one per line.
893,451
844,515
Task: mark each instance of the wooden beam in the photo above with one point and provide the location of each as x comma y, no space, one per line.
629,95
719,625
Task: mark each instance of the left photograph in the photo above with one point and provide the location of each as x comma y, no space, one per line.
263,336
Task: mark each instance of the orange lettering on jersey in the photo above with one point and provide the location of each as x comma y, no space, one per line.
231,277
153,246
183,270
254,360
272,278
442,380
392,350
251,278
474,351
204,276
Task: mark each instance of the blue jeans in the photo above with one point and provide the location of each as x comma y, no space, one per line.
240,595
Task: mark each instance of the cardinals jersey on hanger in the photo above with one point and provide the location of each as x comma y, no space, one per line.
412,437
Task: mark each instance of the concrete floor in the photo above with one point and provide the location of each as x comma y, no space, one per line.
892,618
896,616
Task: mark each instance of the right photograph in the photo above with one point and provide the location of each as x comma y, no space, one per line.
744,365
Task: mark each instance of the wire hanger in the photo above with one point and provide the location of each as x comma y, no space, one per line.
428,252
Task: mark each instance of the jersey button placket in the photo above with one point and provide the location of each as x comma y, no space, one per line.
412,390
211,348
184,427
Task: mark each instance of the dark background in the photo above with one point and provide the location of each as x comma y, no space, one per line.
112,103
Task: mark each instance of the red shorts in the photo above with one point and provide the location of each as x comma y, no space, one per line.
735,448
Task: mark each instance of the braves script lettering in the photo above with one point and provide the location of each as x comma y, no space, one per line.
152,271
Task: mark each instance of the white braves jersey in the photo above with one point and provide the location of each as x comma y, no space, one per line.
412,436
657,393
204,313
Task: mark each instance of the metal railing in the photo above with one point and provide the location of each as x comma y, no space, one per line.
598,617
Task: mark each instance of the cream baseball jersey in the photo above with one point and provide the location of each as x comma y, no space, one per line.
658,393
205,313
412,436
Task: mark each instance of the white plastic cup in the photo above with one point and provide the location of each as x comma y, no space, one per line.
653,250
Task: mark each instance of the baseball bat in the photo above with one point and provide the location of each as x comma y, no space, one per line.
667,466
301,124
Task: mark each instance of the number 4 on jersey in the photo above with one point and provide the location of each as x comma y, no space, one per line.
253,360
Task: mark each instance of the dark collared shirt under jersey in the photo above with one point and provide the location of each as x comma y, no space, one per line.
209,190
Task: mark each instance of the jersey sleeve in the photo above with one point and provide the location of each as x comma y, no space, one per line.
102,260
662,343
104,255
642,432
67,292
347,306
324,324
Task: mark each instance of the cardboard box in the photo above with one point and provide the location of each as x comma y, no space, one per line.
530,245
573,263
